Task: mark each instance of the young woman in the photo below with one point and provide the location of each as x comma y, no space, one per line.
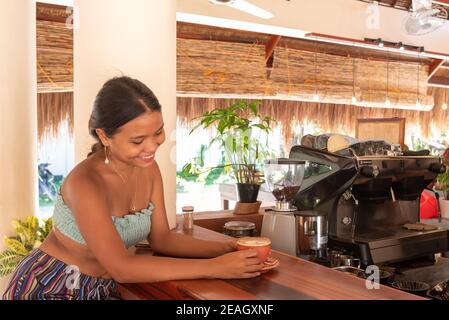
113,200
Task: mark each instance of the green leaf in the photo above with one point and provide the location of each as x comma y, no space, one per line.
10,266
213,176
9,261
253,107
8,256
48,226
260,126
16,246
6,270
195,127
186,169
222,125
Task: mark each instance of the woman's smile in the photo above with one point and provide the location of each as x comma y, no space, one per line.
147,158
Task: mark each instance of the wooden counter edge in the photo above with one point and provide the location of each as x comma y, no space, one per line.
178,290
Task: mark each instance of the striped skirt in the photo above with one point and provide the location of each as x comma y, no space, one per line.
39,276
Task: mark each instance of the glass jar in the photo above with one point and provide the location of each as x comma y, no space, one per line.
238,229
188,217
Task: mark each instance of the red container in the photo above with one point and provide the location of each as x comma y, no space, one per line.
428,206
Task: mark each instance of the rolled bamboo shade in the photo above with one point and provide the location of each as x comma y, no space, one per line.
219,68
54,57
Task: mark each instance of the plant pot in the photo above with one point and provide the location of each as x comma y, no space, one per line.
247,193
444,206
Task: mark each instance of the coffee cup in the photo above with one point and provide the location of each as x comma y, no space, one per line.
261,244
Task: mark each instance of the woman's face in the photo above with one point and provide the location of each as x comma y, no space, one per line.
136,142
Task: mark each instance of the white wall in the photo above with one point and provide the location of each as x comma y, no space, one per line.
18,114
344,18
136,38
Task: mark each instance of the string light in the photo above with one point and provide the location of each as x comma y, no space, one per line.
380,43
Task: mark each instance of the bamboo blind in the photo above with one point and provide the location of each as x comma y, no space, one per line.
213,67
335,82
54,57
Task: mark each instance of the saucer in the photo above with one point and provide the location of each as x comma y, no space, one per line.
269,264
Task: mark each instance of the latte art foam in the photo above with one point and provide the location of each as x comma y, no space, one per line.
254,242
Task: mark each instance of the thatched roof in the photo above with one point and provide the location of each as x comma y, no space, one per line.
216,62
331,117
53,109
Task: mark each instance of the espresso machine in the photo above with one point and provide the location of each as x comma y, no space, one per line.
293,227
356,204
371,216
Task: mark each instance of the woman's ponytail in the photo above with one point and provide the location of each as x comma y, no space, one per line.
95,148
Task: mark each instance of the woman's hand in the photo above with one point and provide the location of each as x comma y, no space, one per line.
236,265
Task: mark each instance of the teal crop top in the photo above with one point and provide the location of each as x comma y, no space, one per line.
132,228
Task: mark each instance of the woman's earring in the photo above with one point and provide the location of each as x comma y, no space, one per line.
106,159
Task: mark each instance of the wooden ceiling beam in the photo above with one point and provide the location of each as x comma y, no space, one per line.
443,2
193,31
270,46
52,12
440,82
434,66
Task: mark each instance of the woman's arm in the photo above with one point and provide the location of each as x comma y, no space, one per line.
171,243
181,245
89,206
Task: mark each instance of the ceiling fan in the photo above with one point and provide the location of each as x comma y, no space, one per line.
245,6
425,17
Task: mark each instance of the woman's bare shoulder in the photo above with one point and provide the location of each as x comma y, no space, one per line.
83,178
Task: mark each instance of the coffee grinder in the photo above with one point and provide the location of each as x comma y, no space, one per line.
299,233
284,177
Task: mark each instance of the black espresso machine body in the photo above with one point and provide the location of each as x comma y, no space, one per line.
385,196
368,200
327,176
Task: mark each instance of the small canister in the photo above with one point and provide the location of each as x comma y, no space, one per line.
238,229
188,217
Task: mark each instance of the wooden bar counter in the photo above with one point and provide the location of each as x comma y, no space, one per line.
293,279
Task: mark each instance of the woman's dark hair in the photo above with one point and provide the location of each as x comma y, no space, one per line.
119,101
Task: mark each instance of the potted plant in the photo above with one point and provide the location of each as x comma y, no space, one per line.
238,128
443,185
30,233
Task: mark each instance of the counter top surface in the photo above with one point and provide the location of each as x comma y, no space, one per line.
293,279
